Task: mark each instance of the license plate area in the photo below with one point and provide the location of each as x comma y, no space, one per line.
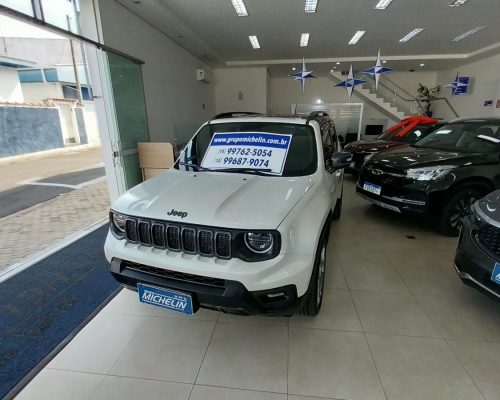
166,298
372,188
495,276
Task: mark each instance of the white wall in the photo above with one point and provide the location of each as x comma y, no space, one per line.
286,91
251,82
36,92
176,102
10,88
485,85
91,123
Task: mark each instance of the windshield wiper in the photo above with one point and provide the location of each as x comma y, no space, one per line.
198,167
263,172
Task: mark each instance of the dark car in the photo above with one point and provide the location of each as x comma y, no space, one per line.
442,174
408,131
478,255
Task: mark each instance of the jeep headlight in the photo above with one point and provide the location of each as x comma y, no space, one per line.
259,242
429,173
117,224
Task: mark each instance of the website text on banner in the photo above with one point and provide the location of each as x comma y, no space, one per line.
256,150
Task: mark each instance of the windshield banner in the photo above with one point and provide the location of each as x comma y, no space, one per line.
254,150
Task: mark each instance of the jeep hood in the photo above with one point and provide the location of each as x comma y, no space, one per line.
228,200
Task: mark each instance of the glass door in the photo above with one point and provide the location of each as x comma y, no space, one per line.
131,118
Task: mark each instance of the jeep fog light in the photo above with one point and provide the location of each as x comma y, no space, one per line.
118,224
259,242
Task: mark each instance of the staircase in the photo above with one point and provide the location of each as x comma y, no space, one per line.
376,101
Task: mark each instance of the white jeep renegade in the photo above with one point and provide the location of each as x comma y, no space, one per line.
239,224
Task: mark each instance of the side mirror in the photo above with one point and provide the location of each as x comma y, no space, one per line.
341,160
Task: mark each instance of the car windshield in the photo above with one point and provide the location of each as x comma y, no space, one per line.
300,160
415,134
480,136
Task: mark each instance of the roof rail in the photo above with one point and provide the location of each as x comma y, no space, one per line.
235,114
316,114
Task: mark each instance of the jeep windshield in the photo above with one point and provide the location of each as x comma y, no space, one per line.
301,159
481,136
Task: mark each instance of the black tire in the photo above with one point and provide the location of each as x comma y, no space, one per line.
456,206
313,300
337,211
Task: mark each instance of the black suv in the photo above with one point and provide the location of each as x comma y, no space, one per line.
442,174
478,254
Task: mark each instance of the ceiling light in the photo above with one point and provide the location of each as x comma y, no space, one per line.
457,3
293,68
358,35
411,35
254,41
384,62
338,63
468,33
422,65
304,40
240,8
310,6
383,4
332,70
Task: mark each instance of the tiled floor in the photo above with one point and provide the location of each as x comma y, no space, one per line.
396,324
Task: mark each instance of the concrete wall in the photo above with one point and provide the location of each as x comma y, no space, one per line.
176,102
36,92
485,85
29,129
241,89
10,88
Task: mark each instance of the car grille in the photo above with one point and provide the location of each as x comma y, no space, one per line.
178,237
383,175
489,239
178,276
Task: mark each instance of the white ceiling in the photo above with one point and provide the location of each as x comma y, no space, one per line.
211,30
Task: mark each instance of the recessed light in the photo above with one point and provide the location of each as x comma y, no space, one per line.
332,70
304,40
383,4
254,41
422,65
411,35
338,63
240,8
468,33
310,6
357,36
293,68
384,62
319,101
457,3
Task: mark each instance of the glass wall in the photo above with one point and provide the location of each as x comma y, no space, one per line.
23,6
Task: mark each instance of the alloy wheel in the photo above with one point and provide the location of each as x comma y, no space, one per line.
460,210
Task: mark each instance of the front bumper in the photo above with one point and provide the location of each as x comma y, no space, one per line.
401,203
217,294
472,264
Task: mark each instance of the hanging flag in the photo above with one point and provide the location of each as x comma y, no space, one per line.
350,83
460,86
377,70
303,75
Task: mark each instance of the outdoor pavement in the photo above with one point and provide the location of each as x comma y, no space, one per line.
41,220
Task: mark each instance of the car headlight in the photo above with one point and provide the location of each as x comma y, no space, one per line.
429,173
117,224
259,242
368,157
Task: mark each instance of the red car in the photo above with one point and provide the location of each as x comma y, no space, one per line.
408,131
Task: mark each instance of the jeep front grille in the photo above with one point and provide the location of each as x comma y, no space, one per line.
489,239
177,237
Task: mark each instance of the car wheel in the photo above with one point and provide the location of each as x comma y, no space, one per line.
314,295
337,212
456,206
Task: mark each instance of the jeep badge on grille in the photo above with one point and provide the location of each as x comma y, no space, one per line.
175,213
